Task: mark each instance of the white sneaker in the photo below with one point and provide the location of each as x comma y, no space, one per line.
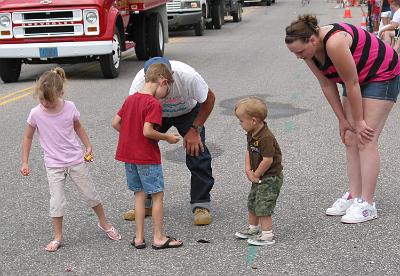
360,211
340,206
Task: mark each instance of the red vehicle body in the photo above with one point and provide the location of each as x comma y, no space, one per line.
71,31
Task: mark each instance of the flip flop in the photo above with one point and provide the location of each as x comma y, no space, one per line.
167,244
54,244
140,245
112,233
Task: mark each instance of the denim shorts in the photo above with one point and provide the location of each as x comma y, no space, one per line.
147,178
383,90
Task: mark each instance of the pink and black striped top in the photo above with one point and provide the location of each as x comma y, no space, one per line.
375,60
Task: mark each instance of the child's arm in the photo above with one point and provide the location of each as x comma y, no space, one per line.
247,166
80,131
263,167
26,148
151,133
116,123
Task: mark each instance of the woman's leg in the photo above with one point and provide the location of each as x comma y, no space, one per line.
352,155
375,114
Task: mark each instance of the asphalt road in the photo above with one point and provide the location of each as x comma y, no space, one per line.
247,58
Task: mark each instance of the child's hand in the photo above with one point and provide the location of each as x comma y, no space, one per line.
25,169
173,138
88,157
252,177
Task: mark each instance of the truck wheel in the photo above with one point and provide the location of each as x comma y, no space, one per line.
237,15
199,27
110,63
155,35
139,35
10,69
268,2
217,16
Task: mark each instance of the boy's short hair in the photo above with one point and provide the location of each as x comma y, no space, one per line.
253,106
157,71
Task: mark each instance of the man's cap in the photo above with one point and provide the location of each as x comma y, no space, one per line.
156,60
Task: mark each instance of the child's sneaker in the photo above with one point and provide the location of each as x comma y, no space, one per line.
340,206
247,233
360,211
260,240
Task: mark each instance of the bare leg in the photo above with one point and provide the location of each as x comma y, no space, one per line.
53,246
158,217
266,223
158,221
57,222
352,155
375,115
253,219
99,210
140,198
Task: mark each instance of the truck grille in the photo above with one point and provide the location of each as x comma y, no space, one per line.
174,5
47,23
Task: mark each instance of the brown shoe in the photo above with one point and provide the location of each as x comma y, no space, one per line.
202,216
130,215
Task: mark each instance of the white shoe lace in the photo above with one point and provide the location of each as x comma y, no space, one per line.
339,203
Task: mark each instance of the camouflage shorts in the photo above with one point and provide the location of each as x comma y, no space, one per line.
262,197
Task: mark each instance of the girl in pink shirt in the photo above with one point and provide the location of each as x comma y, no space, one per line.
57,122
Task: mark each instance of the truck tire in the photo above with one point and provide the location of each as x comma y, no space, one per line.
10,69
217,16
139,35
268,2
155,35
199,27
237,15
110,63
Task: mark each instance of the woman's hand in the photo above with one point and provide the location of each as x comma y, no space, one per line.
364,133
344,125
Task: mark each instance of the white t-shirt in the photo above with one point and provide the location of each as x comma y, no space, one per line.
188,89
396,16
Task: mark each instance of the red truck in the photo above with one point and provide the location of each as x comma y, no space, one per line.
65,31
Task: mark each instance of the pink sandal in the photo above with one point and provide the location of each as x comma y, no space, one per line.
112,233
54,246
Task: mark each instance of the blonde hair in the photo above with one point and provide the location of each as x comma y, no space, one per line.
50,85
302,29
156,71
253,106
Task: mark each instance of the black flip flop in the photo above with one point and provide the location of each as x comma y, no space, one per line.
139,246
167,244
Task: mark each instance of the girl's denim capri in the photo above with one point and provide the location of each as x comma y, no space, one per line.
383,90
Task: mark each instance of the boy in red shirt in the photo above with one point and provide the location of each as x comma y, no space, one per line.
137,122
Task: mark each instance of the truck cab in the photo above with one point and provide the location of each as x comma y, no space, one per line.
196,14
63,31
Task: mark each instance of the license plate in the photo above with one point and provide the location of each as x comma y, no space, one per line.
48,52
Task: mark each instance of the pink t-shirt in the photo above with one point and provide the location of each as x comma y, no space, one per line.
57,135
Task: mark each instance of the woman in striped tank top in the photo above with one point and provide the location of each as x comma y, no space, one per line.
368,69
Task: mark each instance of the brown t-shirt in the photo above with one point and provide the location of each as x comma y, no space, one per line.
263,144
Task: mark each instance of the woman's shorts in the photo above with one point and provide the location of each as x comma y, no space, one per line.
383,90
262,197
147,178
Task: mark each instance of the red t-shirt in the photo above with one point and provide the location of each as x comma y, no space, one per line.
133,146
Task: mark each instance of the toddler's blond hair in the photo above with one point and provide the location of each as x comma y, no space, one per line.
253,106
50,85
